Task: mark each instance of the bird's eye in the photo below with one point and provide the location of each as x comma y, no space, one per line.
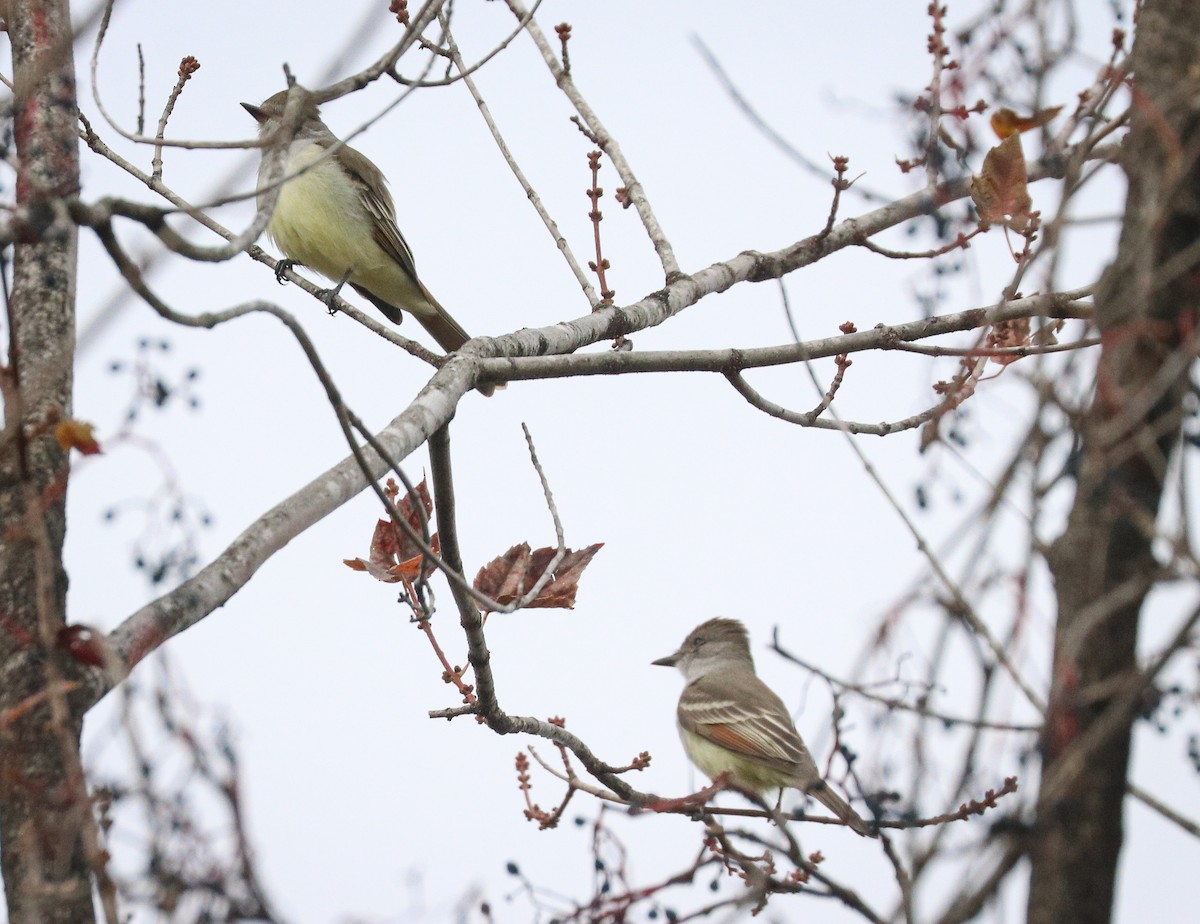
697,642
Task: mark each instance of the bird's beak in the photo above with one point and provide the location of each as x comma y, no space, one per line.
668,661
259,115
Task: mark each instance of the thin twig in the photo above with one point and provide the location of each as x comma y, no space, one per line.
634,191
530,193
187,67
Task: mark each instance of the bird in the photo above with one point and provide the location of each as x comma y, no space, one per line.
732,723
334,214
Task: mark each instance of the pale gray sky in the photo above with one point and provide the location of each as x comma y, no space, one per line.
706,506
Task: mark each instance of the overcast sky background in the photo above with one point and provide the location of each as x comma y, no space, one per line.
359,806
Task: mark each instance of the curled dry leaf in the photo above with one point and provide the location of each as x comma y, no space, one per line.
1006,123
85,645
1018,333
930,434
1000,192
1047,333
75,434
394,556
1007,334
510,576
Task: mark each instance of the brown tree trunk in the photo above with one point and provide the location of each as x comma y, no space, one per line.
1103,564
43,804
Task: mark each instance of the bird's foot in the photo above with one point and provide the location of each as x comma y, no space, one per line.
282,267
330,296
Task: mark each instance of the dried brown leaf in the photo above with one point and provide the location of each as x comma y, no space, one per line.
929,435
501,577
1006,123
1047,334
406,548
1007,334
511,575
1000,192
75,434
394,557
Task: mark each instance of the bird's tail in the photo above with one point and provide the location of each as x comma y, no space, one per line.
448,333
441,326
824,793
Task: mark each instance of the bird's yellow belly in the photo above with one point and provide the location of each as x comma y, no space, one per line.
321,222
317,222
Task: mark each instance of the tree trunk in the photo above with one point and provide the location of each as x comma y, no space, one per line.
43,802
1103,564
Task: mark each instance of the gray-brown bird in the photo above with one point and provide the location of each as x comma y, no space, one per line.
337,217
731,722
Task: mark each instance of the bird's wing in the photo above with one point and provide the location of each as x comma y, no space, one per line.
372,188
745,717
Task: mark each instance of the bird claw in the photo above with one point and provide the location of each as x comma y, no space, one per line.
282,267
329,296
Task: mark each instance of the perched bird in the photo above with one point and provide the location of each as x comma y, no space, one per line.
731,723
335,214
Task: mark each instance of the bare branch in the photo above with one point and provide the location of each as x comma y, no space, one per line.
607,143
